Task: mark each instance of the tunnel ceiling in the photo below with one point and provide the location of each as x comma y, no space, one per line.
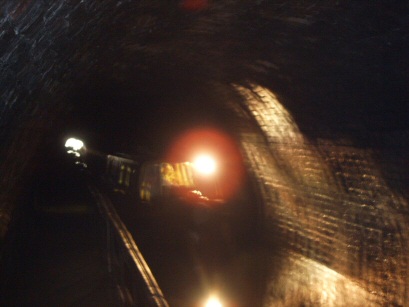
120,70
343,61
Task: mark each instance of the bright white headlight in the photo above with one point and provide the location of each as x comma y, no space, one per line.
205,164
213,302
75,144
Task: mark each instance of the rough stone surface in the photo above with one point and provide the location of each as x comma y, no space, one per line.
316,92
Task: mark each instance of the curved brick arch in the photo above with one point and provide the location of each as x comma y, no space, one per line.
322,117
325,203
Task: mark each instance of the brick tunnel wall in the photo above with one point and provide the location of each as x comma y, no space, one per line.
44,47
335,208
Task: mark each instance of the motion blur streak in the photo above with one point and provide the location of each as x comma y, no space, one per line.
280,129
331,205
269,112
304,281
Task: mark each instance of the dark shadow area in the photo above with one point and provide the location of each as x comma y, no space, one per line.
195,251
59,259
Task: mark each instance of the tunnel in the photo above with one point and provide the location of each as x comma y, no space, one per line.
313,93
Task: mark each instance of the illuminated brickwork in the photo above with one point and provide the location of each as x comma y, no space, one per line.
335,199
329,203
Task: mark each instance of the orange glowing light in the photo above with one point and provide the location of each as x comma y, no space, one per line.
229,169
205,164
213,302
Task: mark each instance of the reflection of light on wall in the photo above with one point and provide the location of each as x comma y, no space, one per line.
305,282
272,117
328,201
291,149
